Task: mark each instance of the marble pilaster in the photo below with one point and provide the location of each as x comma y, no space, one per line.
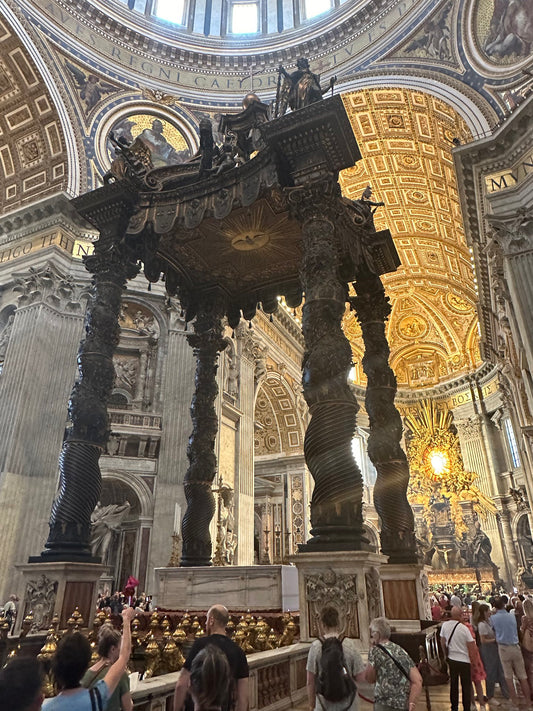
36,379
178,387
245,474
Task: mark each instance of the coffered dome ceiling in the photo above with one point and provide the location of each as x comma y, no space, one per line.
406,139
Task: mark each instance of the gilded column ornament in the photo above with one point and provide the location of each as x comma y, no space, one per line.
111,265
336,504
207,341
372,308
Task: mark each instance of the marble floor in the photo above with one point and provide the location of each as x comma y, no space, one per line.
439,697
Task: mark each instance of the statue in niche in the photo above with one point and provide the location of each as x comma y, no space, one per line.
105,522
300,88
227,540
481,547
126,371
113,444
5,336
231,383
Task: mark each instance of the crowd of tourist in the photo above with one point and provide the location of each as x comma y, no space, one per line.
493,643
118,601
487,642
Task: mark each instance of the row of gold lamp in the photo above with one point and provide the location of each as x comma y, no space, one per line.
159,650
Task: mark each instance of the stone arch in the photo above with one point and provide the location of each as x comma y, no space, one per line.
117,482
474,115
126,555
372,534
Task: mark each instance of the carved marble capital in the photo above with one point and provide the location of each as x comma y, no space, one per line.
49,285
515,233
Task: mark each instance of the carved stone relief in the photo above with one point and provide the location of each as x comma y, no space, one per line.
40,599
338,590
373,594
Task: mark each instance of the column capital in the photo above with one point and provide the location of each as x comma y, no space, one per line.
514,233
319,201
48,284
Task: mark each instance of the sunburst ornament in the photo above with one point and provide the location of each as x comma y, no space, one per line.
436,464
439,463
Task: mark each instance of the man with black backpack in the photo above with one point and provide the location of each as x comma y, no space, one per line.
333,666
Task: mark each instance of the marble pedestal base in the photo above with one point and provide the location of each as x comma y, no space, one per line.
58,588
347,580
405,595
238,587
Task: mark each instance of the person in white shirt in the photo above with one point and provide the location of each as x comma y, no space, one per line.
459,646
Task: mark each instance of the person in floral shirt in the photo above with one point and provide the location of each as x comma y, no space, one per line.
398,681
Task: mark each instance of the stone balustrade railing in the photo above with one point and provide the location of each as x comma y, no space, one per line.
277,681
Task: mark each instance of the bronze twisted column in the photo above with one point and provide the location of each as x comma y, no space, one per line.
111,265
207,342
336,504
372,308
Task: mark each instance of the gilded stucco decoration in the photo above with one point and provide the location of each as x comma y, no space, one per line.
33,160
436,465
278,426
406,139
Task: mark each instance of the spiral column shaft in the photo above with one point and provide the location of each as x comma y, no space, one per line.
207,342
336,504
112,265
384,449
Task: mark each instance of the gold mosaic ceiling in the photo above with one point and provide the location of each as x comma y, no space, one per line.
406,139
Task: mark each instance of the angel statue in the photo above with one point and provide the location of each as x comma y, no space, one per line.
105,521
300,88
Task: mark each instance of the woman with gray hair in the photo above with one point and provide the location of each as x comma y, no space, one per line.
391,669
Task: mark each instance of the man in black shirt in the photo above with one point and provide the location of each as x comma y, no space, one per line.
215,626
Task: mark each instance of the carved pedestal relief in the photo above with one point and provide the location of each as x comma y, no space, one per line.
337,590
